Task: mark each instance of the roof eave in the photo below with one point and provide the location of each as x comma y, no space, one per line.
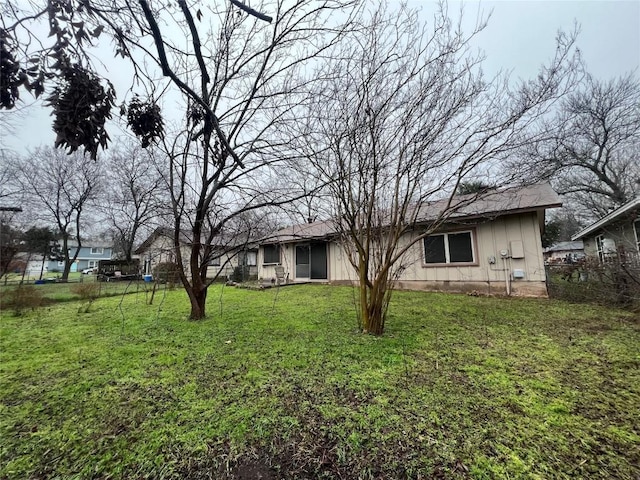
607,219
496,214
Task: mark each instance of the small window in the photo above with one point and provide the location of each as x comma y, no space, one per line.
606,248
97,250
249,258
92,264
271,253
445,248
215,261
636,228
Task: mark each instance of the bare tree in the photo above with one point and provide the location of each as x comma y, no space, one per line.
9,243
59,189
10,206
403,118
592,157
247,75
133,200
237,69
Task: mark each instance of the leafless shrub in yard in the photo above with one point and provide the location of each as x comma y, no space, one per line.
22,298
89,292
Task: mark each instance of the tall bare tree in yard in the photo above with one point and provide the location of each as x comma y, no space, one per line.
237,69
10,207
248,73
59,189
594,155
134,199
403,117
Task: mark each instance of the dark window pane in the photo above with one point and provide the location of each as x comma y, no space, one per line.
460,247
271,254
434,249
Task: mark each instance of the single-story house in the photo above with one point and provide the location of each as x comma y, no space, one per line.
490,245
616,236
230,253
564,252
91,252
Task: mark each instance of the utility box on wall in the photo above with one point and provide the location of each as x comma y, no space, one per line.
517,249
518,274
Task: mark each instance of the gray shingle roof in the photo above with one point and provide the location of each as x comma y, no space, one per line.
474,206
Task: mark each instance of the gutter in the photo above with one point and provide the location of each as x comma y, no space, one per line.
610,217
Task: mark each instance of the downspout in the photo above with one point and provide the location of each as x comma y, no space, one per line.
507,276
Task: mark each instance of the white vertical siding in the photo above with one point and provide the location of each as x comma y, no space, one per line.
489,239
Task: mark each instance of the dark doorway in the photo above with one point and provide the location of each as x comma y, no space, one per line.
311,261
319,261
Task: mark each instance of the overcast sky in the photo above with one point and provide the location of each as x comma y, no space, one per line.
520,37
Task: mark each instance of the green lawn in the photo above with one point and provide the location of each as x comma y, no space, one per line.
60,292
281,385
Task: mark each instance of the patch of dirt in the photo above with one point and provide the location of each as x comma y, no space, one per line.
253,469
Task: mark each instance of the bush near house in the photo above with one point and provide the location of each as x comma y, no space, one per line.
279,384
166,272
613,283
21,298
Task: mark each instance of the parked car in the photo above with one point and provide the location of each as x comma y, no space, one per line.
89,271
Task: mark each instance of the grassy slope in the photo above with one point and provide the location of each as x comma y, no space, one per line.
459,387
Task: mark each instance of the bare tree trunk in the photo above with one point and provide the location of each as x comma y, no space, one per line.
44,258
364,298
198,300
67,261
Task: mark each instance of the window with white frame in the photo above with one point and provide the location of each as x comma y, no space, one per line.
97,250
600,247
92,263
606,248
249,258
271,253
636,229
449,248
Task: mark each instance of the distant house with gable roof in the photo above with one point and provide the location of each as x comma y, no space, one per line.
616,236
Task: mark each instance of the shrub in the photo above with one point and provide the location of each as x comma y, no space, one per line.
23,297
167,272
240,274
610,284
86,291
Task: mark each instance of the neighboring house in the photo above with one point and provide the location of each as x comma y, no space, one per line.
35,266
492,245
155,249
31,264
564,252
91,252
233,252
616,236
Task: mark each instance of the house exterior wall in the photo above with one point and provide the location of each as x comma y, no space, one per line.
85,259
621,233
510,233
490,239
267,271
162,250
